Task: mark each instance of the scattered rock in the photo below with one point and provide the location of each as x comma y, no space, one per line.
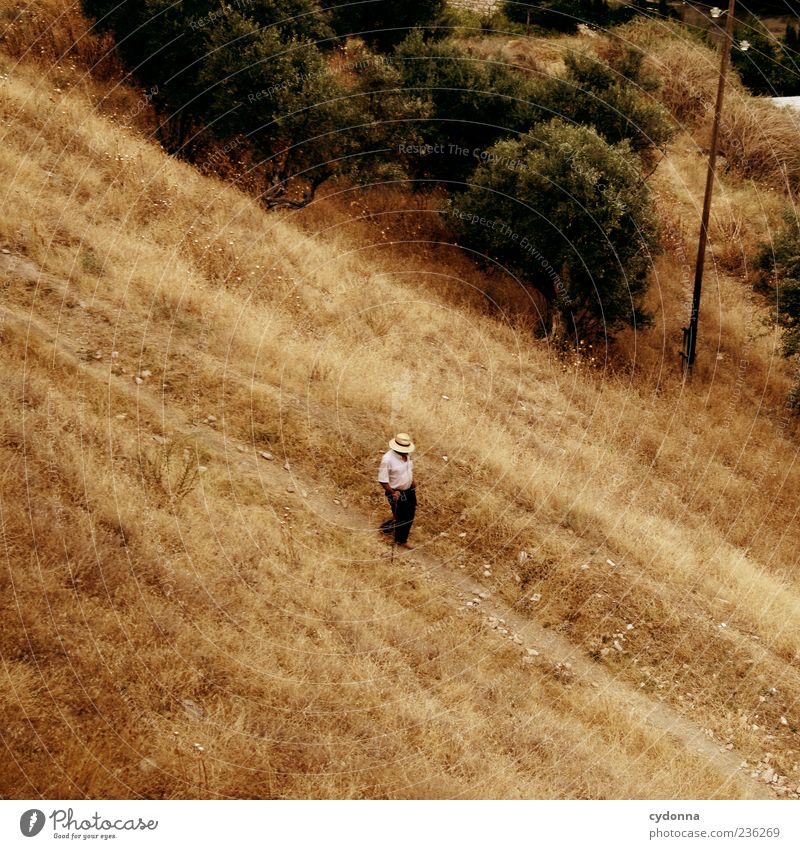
139,381
617,645
462,535
336,501
202,469
611,562
114,355
784,720
445,397
192,708
286,466
536,597
486,573
290,488
517,639
147,765
146,373
485,595
445,457
266,455
522,557
211,418
533,652
768,776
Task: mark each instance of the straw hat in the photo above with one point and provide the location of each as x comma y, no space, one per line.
402,444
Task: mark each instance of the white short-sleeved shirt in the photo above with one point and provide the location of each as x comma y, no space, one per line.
396,471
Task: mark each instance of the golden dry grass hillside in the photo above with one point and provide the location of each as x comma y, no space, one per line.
604,601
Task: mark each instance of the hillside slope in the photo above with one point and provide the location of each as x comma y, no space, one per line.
238,631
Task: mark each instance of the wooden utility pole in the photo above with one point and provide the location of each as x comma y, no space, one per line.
690,332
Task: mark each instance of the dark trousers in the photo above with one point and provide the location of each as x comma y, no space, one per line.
403,510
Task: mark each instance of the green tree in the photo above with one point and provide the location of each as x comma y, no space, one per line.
769,66
571,216
470,104
385,23
220,74
285,100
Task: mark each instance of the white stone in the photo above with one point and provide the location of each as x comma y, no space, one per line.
286,466
536,597
533,652
139,381
617,646
145,373
486,573
266,455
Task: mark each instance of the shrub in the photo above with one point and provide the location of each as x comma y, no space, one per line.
779,279
565,15
612,100
571,216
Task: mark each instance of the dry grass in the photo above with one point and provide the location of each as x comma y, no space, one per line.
277,639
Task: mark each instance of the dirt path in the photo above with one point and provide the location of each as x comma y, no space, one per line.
537,645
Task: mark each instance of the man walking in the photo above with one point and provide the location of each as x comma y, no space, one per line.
396,476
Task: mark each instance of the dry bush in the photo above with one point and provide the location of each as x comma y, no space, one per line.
54,32
688,70
762,142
